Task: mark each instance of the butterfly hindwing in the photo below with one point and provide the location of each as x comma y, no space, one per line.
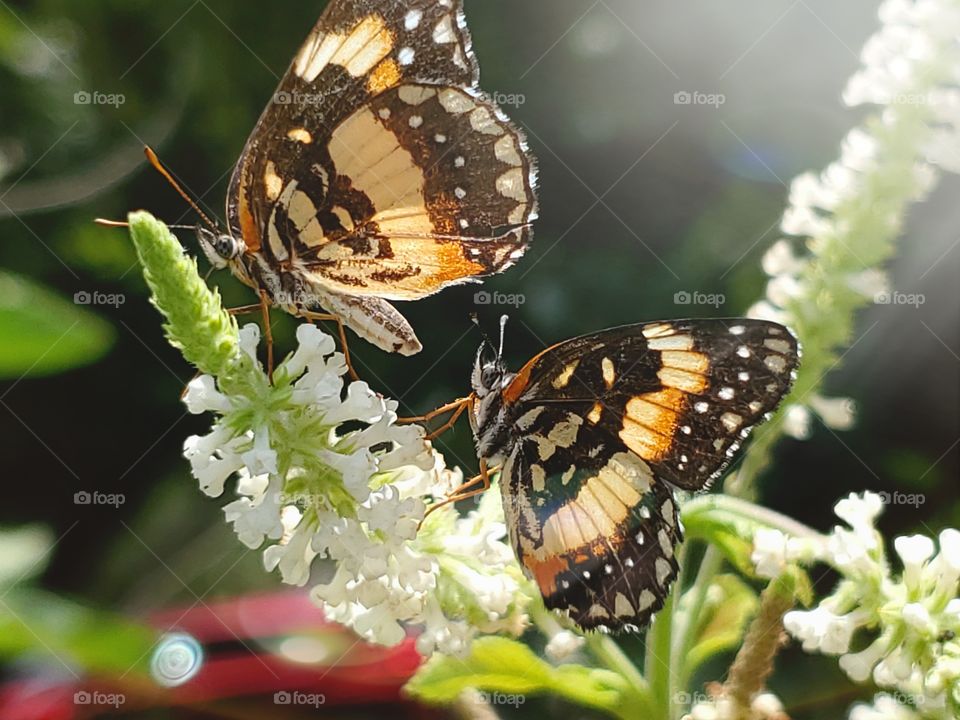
589,521
439,188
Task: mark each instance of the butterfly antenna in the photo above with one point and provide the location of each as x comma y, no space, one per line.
483,333
503,332
121,224
158,166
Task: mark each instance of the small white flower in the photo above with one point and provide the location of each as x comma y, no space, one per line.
860,511
914,551
796,422
821,630
836,413
769,552
781,260
250,340
804,222
202,396
869,283
563,645
859,666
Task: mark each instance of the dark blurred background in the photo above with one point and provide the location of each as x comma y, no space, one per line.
642,197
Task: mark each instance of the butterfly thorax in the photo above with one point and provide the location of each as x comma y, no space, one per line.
491,421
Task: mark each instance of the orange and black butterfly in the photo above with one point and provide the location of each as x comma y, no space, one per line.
593,435
378,172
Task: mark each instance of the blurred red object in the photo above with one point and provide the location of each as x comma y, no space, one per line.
278,647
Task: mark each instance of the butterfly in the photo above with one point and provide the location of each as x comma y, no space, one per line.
594,435
378,172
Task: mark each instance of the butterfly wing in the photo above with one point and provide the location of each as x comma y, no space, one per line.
607,425
591,524
379,168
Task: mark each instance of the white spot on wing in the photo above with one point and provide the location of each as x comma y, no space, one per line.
664,571
412,19
443,33
775,363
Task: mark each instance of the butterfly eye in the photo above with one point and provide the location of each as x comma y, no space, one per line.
226,247
490,376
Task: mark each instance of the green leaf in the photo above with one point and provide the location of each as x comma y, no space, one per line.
730,534
730,605
501,665
42,333
24,553
44,624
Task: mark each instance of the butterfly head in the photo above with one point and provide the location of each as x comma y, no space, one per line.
490,377
220,248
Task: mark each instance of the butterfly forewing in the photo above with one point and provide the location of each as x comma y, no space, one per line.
606,425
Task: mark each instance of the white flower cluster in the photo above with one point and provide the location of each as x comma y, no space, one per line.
912,619
910,68
355,497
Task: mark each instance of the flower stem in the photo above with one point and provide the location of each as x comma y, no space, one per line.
754,662
657,661
611,656
755,514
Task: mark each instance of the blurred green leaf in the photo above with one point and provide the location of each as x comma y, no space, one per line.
41,623
729,606
730,534
498,664
24,553
42,333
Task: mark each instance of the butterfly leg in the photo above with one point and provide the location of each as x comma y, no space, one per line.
245,309
341,330
267,332
467,490
457,407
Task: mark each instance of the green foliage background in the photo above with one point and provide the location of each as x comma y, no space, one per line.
641,198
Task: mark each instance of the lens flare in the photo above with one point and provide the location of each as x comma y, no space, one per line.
177,659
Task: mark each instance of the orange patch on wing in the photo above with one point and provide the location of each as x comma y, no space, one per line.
384,76
546,572
513,391
248,226
650,423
